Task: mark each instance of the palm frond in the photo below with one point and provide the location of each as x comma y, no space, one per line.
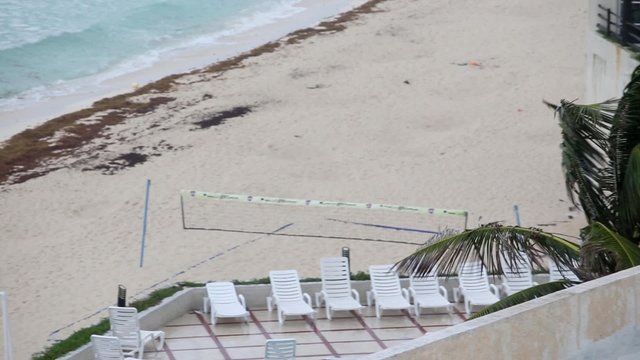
606,251
585,134
485,243
625,136
524,296
629,197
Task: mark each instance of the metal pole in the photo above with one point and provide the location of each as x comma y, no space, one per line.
347,253
122,296
182,211
7,332
517,212
144,223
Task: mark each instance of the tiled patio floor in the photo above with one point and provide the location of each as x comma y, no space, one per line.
348,335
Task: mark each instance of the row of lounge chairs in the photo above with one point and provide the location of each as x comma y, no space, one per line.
126,339
386,292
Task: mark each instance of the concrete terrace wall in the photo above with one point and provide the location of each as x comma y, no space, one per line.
595,320
609,65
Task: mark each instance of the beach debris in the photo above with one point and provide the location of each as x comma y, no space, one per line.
316,86
207,96
407,82
123,161
475,63
220,117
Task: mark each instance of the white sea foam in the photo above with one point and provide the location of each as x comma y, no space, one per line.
149,55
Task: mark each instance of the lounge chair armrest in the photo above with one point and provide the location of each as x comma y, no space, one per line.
457,292
205,304
242,301
356,295
506,288
494,290
405,294
443,291
271,300
412,293
307,299
320,296
371,297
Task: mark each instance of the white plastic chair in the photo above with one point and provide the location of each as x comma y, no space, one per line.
287,295
126,327
386,291
557,273
474,286
280,349
107,348
518,278
337,293
427,293
224,302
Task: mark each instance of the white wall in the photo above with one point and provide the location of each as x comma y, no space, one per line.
595,320
609,65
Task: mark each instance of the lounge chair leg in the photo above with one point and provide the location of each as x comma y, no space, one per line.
269,303
160,343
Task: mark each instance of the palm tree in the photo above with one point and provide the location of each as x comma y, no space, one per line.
601,163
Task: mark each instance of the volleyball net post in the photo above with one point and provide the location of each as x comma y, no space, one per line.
5,325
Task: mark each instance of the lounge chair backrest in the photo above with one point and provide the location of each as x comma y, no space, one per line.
384,281
125,326
106,347
222,292
334,272
557,273
281,349
473,277
520,276
426,284
285,284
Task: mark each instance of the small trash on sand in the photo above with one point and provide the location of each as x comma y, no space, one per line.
469,63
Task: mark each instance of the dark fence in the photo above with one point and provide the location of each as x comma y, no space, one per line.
623,28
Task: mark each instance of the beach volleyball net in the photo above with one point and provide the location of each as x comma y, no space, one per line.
256,214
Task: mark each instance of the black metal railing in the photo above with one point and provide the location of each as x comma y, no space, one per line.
620,28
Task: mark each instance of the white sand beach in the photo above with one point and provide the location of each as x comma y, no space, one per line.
427,103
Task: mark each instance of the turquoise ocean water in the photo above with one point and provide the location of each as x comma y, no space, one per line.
54,48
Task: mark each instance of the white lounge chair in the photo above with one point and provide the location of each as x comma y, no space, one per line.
287,295
517,274
474,286
108,348
126,327
280,349
557,273
224,301
337,293
427,293
386,292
